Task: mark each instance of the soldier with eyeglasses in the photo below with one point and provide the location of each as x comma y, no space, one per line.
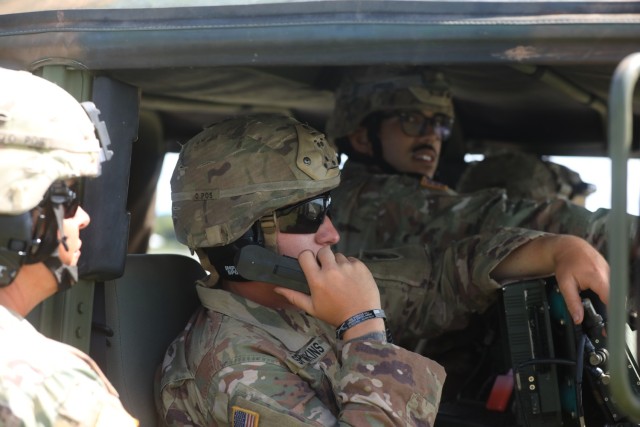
259,352
392,123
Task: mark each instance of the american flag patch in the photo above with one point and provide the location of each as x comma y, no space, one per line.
244,417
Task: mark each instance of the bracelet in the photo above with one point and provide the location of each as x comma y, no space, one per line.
357,319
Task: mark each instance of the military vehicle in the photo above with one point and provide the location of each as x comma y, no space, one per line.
546,77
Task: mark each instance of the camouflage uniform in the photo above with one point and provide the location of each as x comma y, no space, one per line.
240,363
373,210
46,383
377,210
238,358
46,137
523,176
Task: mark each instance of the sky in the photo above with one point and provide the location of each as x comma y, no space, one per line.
594,170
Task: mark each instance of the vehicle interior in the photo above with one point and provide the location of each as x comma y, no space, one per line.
540,77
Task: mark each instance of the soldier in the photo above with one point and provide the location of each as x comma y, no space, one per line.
392,122
525,176
257,352
47,143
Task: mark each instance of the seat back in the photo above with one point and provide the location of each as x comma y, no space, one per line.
146,309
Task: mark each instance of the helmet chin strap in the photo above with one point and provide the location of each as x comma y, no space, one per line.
372,124
269,232
66,275
47,253
378,156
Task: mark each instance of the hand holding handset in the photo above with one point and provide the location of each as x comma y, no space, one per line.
257,263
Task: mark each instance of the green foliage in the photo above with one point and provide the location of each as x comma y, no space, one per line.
163,240
164,227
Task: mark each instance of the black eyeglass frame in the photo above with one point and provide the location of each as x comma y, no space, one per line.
441,123
308,225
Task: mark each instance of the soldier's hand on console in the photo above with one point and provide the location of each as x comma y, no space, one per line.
575,263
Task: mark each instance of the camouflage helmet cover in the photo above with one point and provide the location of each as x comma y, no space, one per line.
523,175
238,170
45,135
371,89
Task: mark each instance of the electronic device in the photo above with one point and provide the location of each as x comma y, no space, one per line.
257,263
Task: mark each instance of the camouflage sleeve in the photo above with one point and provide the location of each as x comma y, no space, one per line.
557,216
375,211
377,384
383,385
65,398
465,271
426,292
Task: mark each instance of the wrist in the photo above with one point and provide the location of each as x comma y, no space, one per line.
365,328
377,336
361,324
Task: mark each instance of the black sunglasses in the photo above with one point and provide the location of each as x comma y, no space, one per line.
414,123
67,196
305,217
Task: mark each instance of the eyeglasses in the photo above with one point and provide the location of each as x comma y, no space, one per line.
67,196
305,217
414,123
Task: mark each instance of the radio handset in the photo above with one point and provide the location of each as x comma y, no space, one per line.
257,263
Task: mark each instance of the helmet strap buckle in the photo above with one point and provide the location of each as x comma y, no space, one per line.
269,229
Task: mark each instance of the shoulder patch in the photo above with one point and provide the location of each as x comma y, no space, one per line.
244,417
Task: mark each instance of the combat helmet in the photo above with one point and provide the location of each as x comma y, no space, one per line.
46,137
371,89
236,173
523,175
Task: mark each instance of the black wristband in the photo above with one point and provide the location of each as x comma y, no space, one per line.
357,319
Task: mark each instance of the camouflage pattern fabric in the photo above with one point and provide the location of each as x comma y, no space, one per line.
371,89
44,127
375,210
523,176
47,383
427,292
241,169
372,210
286,366
282,367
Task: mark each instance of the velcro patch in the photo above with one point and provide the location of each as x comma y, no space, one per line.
310,353
244,417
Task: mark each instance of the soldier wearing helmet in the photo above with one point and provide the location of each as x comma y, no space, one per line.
392,123
525,176
374,104
259,352
48,144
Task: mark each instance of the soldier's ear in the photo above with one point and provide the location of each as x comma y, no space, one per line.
359,140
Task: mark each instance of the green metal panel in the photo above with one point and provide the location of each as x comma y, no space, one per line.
66,316
620,132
